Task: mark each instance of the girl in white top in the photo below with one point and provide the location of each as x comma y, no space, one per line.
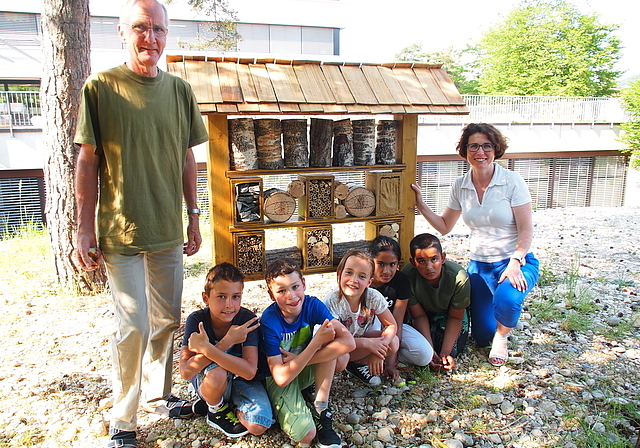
356,305
496,205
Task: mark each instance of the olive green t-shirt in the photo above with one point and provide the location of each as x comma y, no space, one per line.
453,291
141,128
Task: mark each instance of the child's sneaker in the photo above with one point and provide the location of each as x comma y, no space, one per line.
226,421
326,437
309,394
361,372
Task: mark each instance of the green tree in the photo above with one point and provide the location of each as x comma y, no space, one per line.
462,74
222,32
547,47
631,137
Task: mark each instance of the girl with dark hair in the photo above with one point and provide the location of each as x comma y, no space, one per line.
394,286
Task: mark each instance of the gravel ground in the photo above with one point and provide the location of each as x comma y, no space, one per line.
573,380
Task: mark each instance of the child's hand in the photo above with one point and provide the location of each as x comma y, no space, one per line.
326,333
198,340
448,362
378,346
237,334
391,372
436,363
376,365
286,356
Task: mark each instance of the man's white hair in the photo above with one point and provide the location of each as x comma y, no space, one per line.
128,6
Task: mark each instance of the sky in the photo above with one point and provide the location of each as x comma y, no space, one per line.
375,30
380,29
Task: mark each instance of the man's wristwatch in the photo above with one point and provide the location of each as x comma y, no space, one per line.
193,210
521,260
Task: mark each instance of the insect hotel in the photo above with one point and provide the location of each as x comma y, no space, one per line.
300,148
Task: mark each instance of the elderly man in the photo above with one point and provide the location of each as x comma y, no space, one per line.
136,127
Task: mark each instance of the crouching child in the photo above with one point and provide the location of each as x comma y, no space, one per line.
299,360
220,357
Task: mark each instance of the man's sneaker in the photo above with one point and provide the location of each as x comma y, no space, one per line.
361,372
326,437
226,421
171,406
121,439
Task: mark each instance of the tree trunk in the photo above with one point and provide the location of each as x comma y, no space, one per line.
65,48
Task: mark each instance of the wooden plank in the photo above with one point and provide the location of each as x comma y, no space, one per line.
431,86
219,189
397,109
408,150
285,83
378,84
448,87
269,108
313,84
207,107
335,108
312,107
229,82
225,108
411,86
203,78
262,83
248,107
249,92
358,108
289,107
397,92
337,84
418,109
381,109
358,85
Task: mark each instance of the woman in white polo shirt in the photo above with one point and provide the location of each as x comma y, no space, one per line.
496,205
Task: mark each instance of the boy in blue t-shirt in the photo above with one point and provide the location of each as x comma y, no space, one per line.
220,357
298,359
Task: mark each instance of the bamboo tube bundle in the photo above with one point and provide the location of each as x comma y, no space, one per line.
320,134
269,142
295,142
364,142
343,143
386,146
278,205
244,153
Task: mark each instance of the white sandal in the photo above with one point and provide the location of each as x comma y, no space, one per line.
497,357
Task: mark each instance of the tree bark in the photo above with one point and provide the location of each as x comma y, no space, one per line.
65,48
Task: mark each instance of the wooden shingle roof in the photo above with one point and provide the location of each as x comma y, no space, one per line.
251,86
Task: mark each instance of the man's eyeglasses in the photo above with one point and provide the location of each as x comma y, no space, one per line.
142,28
474,147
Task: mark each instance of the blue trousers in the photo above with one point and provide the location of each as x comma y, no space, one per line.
493,302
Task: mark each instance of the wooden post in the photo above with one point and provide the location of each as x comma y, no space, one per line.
407,152
218,162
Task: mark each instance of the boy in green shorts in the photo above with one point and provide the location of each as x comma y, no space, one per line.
297,358
440,297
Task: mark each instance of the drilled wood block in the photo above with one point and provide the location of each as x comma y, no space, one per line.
317,203
247,199
316,243
249,252
387,187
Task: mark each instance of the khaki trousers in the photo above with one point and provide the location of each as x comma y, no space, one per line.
147,292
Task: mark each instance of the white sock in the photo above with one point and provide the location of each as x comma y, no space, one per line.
215,407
